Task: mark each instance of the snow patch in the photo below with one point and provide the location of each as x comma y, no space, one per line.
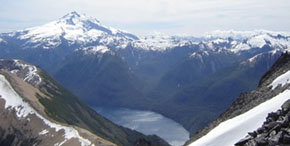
218,41
95,50
43,132
253,59
197,55
231,131
281,80
31,76
23,109
2,41
160,42
257,42
240,47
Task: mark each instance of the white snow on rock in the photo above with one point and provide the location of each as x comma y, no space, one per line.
14,102
95,50
272,53
231,131
246,40
242,35
257,41
281,80
31,76
43,132
240,47
218,41
2,41
231,33
162,42
156,42
254,58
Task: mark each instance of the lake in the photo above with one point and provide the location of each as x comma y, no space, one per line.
147,122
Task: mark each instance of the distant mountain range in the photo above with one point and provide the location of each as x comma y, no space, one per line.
189,79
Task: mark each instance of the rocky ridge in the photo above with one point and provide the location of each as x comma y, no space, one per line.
21,124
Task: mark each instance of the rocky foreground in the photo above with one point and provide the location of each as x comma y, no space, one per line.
274,131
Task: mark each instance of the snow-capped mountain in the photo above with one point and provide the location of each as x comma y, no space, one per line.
161,42
73,28
237,41
243,35
249,112
79,31
234,41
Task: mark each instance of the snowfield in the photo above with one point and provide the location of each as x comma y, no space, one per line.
231,131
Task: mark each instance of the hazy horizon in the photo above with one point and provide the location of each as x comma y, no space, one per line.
171,17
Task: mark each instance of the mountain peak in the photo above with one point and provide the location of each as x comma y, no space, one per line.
75,29
72,14
73,18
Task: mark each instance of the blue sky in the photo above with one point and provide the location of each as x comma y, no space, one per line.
193,17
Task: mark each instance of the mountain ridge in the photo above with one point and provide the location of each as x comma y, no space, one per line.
82,29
